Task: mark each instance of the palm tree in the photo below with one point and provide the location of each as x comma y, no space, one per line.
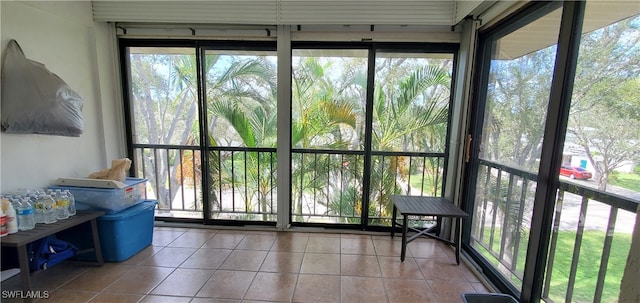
242,98
326,113
409,113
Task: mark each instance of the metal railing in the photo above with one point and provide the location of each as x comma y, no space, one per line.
327,185
501,223
241,181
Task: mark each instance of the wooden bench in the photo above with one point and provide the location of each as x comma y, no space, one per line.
20,239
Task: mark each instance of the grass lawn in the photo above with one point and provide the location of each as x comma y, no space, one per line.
588,265
416,183
628,181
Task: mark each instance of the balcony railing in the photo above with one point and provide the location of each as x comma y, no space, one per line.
588,249
241,181
327,185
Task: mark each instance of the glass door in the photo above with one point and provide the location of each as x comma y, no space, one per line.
368,122
241,103
511,110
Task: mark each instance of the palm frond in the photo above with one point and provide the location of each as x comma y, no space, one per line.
338,112
237,119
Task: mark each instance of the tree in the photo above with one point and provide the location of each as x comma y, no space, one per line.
516,109
608,131
604,116
164,98
241,104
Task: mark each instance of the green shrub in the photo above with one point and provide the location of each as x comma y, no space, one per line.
613,176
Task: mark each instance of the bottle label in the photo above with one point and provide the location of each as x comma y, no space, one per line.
24,212
3,225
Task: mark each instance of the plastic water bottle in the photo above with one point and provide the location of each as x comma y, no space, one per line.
72,202
3,223
12,218
50,212
62,205
26,215
38,205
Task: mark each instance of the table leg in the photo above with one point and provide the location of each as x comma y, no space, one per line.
393,221
405,223
96,242
458,239
25,274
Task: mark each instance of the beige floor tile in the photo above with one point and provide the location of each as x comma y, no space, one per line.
357,245
257,242
392,267
116,297
237,266
183,282
439,269
317,288
141,279
227,284
169,257
53,277
405,290
363,289
388,247
162,237
479,287
446,292
282,261
143,255
192,239
206,258
250,260
427,249
214,300
98,278
65,296
272,287
224,240
164,299
323,245
359,265
313,263
290,243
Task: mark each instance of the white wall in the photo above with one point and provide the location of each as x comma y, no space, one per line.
63,36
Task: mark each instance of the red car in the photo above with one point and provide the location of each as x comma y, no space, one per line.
575,172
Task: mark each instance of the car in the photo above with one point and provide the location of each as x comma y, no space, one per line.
575,172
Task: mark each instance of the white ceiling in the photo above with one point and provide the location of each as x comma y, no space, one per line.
544,32
289,12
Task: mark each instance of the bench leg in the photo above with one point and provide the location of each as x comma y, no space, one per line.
25,274
405,223
96,242
393,221
458,239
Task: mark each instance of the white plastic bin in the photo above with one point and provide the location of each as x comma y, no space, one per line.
110,200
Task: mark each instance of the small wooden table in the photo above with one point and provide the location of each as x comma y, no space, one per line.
426,206
20,239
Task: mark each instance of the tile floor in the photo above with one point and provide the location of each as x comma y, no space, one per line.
221,265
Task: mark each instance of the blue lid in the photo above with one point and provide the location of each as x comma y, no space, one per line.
137,209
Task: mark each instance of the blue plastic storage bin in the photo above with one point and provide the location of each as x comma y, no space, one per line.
122,234
126,233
